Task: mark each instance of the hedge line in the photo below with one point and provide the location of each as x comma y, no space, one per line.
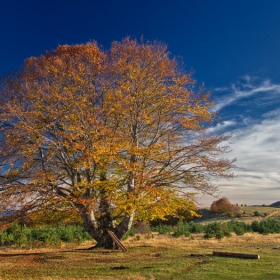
46,235
42,235
220,230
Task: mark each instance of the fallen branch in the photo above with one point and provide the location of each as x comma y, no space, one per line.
119,243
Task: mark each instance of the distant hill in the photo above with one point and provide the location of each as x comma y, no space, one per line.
275,204
247,214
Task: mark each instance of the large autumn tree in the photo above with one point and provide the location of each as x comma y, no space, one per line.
113,136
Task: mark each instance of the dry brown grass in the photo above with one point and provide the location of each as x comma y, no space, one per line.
197,240
167,241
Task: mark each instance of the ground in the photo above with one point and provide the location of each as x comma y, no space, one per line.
148,257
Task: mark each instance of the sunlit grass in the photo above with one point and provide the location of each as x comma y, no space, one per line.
160,257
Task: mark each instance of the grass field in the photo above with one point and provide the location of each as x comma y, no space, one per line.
155,256
160,257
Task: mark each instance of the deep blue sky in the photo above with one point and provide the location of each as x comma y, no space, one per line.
232,45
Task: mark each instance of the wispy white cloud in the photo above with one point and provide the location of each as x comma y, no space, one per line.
221,126
255,143
257,151
245,88
273,113
256,148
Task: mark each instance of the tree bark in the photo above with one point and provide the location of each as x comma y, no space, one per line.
98,229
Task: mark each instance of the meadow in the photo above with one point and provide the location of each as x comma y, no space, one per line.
149,256
157,257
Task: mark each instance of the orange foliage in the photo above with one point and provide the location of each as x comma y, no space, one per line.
110,135
223,206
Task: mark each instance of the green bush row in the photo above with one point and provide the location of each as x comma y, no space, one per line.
219,230
182,228
46,235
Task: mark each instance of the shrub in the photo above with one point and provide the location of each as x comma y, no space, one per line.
18,235
22,235
3,238
269,226
71,233
239,230
211,230
163,229
47,235
216,230
181,229
238,227
256,213
255,226
195,227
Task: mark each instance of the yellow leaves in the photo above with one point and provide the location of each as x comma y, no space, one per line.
128,207
51,215
120,126
12,173
108,186
125,86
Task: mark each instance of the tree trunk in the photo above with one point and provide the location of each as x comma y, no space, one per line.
124,226
98,229
105,241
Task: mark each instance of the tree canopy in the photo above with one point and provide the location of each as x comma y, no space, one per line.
112,136
223,206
